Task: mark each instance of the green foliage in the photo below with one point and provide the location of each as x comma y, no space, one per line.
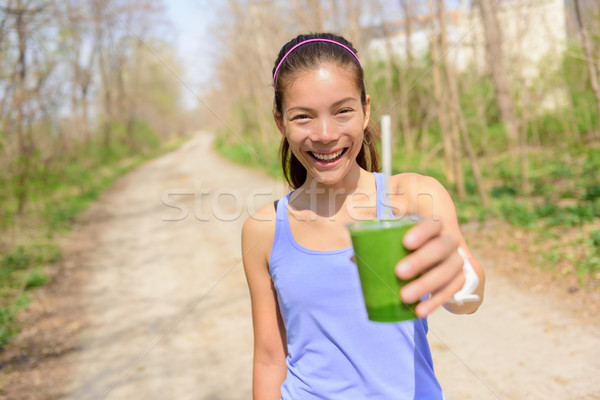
523,213
239,152
592,193
595,239
36,278
553,256
250,152
15,266
580,91
504,190
571,216
517,213
68,190
18,259
8,328
57,192
589,264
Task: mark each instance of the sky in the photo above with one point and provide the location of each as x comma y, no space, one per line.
192,20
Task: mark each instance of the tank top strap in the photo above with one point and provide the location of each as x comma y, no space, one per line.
379,184
281,218
282,206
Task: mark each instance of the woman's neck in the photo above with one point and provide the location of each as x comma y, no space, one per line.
327,199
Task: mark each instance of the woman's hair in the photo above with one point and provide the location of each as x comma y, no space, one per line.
310,56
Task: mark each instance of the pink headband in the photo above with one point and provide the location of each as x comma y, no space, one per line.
308,41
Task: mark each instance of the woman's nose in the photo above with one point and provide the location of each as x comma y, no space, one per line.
326,131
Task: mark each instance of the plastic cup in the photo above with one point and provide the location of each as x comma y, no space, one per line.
377,249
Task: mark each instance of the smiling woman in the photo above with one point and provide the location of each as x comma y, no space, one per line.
312,335
324,122
295,73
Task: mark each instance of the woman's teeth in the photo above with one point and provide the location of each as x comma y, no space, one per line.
327,157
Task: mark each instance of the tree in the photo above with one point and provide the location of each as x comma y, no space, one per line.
405,81
26,17
495,57
453,102
50,52
589,55
456,117
104,25
76,22
453,168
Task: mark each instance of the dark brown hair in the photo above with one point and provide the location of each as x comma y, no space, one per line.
309,56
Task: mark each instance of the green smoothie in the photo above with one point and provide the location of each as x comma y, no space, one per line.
377,249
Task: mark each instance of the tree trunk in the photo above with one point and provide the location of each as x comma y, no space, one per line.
440,102
457,117
264,124
525,107
589,55
472,157
454,106
102,51
23,159
523,157
404,106
495,57
390,65
408,7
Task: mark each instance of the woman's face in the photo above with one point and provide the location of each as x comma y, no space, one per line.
324,120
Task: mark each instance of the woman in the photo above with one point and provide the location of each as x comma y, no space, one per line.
312,337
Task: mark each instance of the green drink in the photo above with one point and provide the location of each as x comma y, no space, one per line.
377,249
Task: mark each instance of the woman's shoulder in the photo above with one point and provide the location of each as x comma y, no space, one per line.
421,194
261,222
410,181
258,231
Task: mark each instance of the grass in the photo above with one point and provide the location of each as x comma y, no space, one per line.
264,158
56,195
564,203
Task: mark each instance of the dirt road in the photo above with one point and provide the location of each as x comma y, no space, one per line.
165,310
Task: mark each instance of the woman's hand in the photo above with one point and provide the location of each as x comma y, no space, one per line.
435,258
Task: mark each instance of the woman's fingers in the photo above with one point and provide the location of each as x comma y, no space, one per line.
440,297
421,233
433,252
435,279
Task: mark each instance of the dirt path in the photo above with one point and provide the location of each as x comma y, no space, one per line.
151,303
166,296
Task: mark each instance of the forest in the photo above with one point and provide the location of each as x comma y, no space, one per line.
85,96
495,99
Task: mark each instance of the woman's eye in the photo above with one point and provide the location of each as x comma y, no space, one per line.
300,117
345,111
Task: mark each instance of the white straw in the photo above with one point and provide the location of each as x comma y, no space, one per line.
386,148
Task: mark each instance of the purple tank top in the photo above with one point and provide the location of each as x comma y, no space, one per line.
335,352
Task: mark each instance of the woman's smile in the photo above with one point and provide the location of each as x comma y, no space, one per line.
327,158
324,122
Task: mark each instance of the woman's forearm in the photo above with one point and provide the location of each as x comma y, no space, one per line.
267,379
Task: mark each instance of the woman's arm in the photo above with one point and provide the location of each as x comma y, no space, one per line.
435,242
269,368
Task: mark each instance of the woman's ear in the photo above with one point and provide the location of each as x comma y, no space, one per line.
367,109
278,121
